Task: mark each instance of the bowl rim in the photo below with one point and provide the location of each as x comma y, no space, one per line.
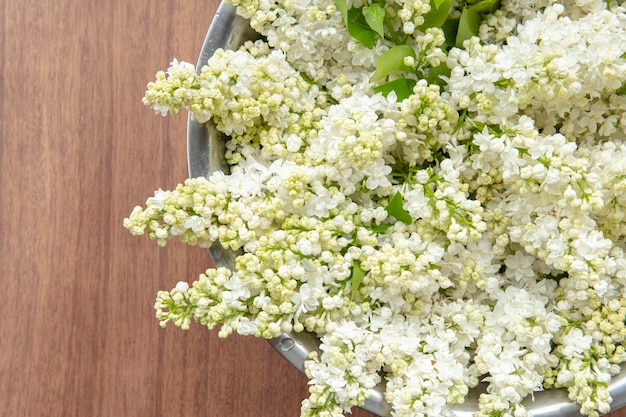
205,151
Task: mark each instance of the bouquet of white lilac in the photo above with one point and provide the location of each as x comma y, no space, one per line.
435,188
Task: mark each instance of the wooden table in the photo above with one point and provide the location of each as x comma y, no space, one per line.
77,151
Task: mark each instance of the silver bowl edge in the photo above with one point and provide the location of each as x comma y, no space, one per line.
205,154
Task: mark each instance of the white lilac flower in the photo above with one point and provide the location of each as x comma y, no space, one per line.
470,232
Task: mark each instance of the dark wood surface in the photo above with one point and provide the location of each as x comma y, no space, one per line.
77,151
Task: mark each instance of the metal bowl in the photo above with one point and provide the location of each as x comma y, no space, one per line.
205,154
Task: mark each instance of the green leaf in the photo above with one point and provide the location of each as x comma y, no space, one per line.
342,6
437,15
306,78
450,29
356,278
375,17
468,26
395,208
393,61
359,29
435,74
486,6
403,87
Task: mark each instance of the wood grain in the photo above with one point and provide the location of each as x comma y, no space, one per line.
77,152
